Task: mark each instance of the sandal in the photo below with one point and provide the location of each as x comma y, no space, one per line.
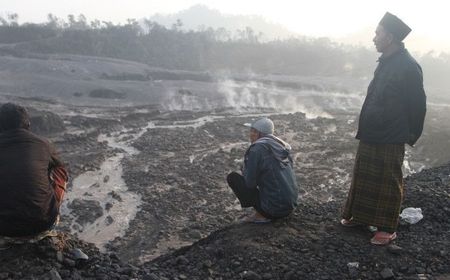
256,218
372,229
348,223
383,238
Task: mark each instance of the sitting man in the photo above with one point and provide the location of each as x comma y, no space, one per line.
268,183
32,179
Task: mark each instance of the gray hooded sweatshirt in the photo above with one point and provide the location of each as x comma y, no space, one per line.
268,167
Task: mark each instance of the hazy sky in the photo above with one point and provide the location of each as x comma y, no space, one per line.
428,19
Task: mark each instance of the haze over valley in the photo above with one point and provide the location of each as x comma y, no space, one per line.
151,114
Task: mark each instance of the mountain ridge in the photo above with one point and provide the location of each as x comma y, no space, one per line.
194,18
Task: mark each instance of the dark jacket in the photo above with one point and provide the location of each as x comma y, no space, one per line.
268,166
395,106
27,201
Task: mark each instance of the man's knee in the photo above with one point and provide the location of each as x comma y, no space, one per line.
233,177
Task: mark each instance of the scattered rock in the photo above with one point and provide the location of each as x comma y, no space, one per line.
69,262
109,220
182,260
394,249
79,255
387,273
150,276
195,234
115,195
290,275
60,256
420,270
250,275
106,179
353,269
108,206
87,210
53,275
44,122
307,245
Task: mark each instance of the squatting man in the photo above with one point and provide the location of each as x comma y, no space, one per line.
267,182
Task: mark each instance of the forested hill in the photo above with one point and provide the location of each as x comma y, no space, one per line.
203,50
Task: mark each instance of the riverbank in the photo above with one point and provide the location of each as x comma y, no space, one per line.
310,244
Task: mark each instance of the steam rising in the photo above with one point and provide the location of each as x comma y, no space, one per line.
245,97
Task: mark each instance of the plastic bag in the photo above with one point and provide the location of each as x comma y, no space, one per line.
353,265
411,215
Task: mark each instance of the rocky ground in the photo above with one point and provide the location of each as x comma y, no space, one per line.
308,245
181,173
62,257
311,245
175,164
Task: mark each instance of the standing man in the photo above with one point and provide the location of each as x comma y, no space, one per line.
393,114
32,178
268,182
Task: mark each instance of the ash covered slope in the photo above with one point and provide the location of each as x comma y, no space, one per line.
308,245
86,80
55,258
311,245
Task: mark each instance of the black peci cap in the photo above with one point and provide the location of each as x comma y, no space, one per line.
395,26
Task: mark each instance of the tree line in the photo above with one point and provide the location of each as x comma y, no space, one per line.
205,49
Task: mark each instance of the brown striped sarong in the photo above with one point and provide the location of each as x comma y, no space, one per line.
376,191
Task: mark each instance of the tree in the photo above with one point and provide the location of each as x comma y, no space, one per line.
13,19
79,23
54,22
248,35
177,25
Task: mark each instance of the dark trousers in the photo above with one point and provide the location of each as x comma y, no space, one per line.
247,197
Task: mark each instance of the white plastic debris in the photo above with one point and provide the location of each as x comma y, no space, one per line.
353,265
411,215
